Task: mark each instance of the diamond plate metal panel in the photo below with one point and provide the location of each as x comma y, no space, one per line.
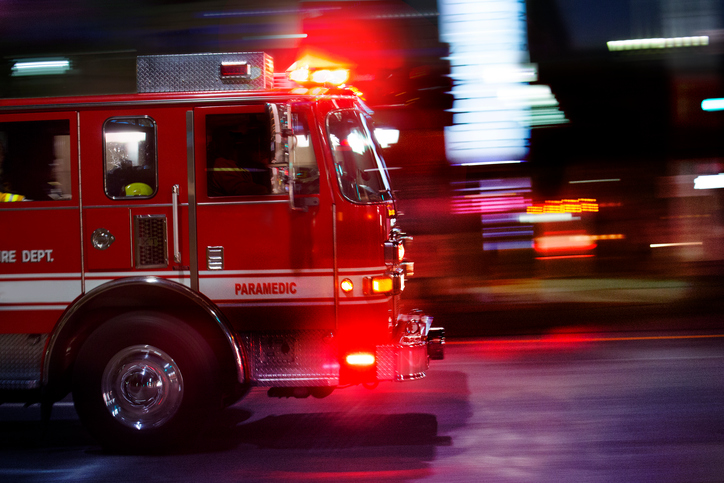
21,357
202,72
293,359
386,358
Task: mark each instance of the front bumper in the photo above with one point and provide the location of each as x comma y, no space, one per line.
416,342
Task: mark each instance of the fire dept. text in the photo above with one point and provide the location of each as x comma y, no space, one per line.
32,256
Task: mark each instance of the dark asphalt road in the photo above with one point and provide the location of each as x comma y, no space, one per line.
559,406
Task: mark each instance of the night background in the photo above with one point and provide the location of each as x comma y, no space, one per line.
631,133
562,182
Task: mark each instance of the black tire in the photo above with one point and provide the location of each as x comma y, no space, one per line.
145,382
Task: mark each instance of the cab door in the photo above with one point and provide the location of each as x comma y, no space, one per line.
39,223
267,264
134,184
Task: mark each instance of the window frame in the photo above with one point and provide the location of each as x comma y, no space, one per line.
72,118
364,124
155,159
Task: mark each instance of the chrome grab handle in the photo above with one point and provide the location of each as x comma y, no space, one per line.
174,200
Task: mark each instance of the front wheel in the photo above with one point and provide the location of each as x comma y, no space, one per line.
145,382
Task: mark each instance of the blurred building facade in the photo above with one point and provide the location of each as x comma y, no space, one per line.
630,132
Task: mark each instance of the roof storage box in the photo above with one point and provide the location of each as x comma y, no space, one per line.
204,72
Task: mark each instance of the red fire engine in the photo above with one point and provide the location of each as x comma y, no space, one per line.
167,250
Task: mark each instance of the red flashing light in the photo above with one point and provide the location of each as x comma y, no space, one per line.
230,70
360,359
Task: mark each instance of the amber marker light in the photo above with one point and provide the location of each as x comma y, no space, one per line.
360,359
378,285
346,285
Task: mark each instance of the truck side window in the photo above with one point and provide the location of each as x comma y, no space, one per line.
130,158
305,163
35,160
238,153
361,172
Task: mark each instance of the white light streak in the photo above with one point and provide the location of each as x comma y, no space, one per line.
709,182
387,137
546,217
681,244
40,67
712,104
657,43
608,180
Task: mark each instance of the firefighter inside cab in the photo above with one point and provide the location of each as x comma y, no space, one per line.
221,231
6,193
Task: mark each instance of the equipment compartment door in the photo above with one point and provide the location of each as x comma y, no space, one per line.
267,265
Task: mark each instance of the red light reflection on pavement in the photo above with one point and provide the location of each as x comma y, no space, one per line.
560,341
384,475
569,339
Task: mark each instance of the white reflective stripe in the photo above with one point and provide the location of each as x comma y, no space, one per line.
39,291
379,269
176,274
49,288
41,276
383,301
267,288
283,271
91,283
280,303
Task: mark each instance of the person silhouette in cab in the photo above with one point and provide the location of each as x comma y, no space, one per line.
237,155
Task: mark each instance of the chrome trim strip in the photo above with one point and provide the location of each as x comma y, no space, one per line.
37,208
111,204
250,202
12,308
80,210
191,175
363,270
250,98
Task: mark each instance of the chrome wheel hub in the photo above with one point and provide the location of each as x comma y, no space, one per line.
142,387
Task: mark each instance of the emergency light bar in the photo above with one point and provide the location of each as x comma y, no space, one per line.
205,72
306,75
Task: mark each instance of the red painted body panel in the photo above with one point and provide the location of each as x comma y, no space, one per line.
281,267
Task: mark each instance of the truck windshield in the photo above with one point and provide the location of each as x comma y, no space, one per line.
361,171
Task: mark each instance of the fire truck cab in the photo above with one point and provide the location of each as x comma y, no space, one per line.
163,252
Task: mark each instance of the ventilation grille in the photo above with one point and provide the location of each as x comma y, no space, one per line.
150,241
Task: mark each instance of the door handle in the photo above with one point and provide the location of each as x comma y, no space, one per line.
174,201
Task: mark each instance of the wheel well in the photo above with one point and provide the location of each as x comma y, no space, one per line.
130,295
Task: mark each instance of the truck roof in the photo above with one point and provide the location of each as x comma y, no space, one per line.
163,98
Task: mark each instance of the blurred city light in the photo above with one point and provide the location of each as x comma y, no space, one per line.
709,182
387,136
713,104
40,67
658,43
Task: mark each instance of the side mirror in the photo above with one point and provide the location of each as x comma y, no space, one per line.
284,173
